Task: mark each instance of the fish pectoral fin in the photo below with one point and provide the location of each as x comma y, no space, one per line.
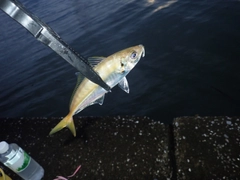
95,60
66,122
123,84
100,100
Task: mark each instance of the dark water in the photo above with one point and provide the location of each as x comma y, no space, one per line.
191,64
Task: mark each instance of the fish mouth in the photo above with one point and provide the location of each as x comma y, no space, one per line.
143,50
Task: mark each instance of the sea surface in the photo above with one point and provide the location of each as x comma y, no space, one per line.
191,67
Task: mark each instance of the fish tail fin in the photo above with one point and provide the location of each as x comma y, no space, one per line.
65,122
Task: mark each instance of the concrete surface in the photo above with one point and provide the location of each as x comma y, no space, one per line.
131,147
105,147
207,147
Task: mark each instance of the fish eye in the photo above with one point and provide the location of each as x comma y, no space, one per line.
133,55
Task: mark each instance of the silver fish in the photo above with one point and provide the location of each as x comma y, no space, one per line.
113,70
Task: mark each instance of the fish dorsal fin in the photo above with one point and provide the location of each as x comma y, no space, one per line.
80,78
123,84
95,60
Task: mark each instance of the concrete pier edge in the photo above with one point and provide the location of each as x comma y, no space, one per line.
130,147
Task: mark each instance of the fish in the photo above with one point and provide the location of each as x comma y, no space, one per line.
113,70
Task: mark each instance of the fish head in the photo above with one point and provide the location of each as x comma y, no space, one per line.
128,58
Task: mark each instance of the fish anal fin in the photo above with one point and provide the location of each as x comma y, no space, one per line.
123,84
100,100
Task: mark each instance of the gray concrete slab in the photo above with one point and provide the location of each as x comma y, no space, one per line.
106,147
207,147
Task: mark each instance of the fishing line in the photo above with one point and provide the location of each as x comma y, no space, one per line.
222,92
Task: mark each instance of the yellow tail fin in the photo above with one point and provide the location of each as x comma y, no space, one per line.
66,122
